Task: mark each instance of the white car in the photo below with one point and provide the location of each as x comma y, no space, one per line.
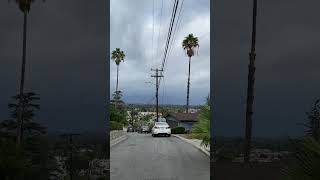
161,128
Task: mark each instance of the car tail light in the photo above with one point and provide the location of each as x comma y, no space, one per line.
168,127
156,127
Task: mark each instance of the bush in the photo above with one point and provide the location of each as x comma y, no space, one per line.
306,160
12,163
201,129
118,114
178,130
115,125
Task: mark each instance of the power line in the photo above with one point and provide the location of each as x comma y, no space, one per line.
152,30
174,33
162,93
174,11
175,30
159,29
149,100
204,35
167,47
164,97
170,32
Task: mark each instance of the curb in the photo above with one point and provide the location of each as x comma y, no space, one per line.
118,140
191,142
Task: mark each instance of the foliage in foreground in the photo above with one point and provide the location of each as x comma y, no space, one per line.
32,160
313,123
118,115
12,164
306,161
201,129
27,163
116,125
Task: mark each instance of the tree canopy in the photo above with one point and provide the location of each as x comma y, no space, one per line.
189,44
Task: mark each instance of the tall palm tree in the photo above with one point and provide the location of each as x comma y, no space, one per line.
189,44
118,56
250,88
24,6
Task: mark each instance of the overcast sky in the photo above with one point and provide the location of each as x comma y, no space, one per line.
66,61
133,27
67,56
287,65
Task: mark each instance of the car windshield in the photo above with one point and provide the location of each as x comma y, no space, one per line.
161,123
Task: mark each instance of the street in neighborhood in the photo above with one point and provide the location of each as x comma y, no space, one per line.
143,157
159,102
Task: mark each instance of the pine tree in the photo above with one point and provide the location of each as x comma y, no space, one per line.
313,122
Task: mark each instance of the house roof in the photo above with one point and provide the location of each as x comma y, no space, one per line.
184,116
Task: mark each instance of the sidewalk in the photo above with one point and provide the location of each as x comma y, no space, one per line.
196,143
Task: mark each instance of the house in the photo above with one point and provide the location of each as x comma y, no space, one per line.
161,119
193,110
142,114
153,114
186,120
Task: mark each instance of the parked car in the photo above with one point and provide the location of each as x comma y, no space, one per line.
130,129
145,129
161,128
139,129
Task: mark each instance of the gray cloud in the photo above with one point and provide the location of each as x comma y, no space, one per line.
287,65
65,64
131,30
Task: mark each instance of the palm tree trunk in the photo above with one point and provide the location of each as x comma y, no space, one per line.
188,87
20,112
117,77
250,88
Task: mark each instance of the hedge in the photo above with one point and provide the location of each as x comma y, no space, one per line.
115,125
178,130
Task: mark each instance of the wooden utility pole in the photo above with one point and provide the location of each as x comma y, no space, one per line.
250,88
69,138
157,89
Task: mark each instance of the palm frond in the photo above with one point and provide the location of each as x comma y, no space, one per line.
202,128
306,161
117,55
190,44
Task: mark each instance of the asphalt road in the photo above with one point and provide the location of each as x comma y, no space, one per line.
143,157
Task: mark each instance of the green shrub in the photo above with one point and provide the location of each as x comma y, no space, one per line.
178,130
115,125
201,129
305,164
118,114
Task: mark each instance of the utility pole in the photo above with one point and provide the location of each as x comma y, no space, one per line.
69,138
157,88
